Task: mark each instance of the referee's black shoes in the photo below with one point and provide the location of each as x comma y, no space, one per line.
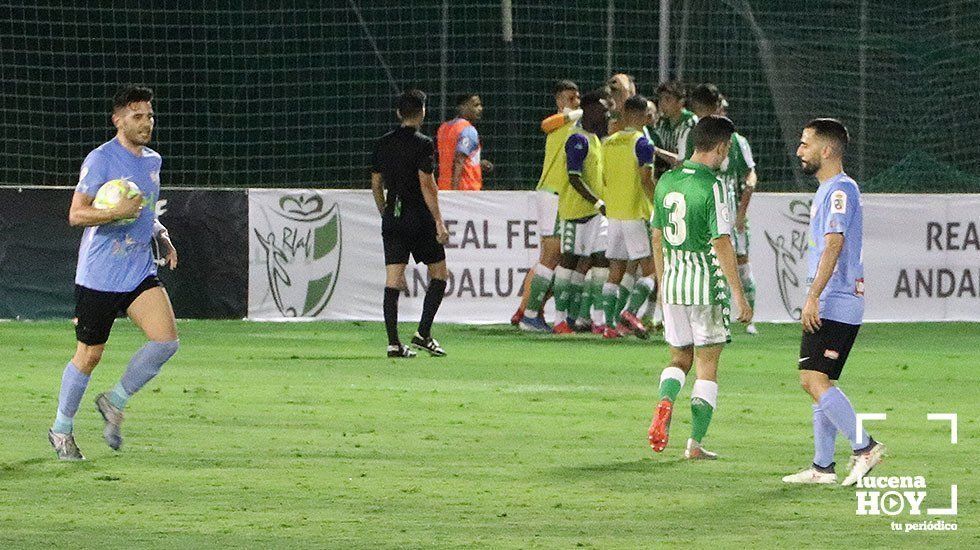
429,344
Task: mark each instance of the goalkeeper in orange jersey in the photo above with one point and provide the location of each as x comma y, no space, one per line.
539,279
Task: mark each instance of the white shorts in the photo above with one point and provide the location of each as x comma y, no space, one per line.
584,238
547,206
628,240
740,240
696,325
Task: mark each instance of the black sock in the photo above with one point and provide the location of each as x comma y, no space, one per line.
391,315
824,469
866,448
433,298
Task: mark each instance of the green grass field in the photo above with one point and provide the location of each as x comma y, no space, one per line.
300,435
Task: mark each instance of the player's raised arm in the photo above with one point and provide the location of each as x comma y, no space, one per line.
557,120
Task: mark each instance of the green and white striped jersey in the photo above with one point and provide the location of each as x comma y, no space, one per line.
676,137
735,169
691,210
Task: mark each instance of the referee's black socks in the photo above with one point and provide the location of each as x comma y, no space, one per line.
391,315
433,299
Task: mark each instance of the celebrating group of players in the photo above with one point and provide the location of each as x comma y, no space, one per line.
604,152
631,219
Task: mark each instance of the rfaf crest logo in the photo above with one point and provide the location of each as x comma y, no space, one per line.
302,246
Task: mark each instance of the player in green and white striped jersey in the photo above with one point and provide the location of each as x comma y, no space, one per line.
694,258
739,175
673,130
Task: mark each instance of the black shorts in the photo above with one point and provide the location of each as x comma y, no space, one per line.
95,310
827,349
404,237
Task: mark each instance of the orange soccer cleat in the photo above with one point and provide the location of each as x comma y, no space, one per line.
660,425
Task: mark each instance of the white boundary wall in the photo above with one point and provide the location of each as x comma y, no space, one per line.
317,254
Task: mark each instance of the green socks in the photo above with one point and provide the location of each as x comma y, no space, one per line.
562,291
638,296
539,288
609,301
575,294
704,399
671,382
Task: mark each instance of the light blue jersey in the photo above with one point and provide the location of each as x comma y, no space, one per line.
837,209
114,257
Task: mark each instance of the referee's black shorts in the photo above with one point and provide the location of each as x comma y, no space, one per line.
826,350
410,236
96,310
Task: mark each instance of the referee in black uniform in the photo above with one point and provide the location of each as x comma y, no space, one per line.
411,224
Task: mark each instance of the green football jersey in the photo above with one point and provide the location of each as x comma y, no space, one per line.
691,210
676,137
735,169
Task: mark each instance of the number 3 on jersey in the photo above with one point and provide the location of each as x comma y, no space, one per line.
676,229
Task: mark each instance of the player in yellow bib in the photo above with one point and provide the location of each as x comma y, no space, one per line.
627,191
539,279
582,221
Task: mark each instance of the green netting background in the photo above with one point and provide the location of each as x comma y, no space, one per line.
293,93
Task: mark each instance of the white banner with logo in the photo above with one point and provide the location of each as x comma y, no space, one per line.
318,254
921,256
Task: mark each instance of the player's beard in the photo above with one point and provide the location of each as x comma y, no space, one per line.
809,168
139,137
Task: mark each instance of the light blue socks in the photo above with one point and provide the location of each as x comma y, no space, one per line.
73,384
144,365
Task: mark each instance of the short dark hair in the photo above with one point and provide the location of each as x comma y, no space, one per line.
410,103
594,97
565,86
636,103
706,95
463,98
832,129
710,131
131,94
673,87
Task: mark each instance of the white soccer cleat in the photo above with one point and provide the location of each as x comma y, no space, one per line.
864,463
695,451
811,476
750,329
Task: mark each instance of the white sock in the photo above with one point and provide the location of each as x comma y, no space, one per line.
706,390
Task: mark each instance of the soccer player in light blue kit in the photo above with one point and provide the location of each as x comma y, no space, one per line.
834,305
116,271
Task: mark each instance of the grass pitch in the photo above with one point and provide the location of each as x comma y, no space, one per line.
301,435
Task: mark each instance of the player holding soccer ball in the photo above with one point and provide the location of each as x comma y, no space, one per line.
694,256
116,271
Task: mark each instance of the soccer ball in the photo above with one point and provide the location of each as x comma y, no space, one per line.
111,192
